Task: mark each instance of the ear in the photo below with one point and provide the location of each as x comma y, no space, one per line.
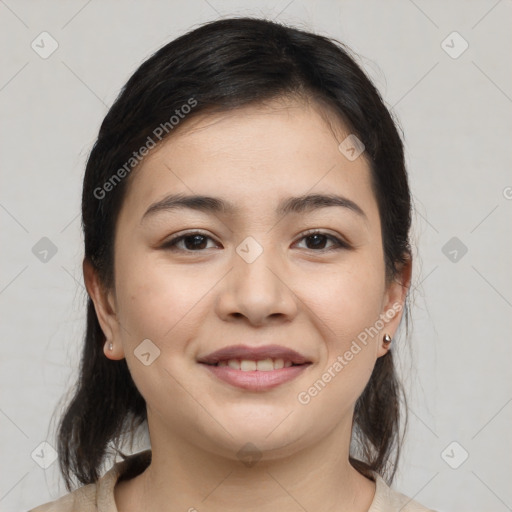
394,303
104,304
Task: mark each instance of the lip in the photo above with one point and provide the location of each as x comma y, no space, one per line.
255,380
254,354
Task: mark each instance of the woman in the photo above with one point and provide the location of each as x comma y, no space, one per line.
246,214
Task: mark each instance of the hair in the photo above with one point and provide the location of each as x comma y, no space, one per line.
224,65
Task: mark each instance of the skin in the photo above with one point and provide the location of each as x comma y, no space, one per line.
296,294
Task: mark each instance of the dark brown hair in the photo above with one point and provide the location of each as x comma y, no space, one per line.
224,65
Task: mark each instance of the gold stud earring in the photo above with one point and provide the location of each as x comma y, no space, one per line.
387,340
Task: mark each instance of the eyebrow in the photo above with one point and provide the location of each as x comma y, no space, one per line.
209,204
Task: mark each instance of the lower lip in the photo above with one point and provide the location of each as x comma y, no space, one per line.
256,380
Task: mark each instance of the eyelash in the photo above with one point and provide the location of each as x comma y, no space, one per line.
339,244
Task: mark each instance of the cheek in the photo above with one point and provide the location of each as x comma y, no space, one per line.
159,303
347,298
158,300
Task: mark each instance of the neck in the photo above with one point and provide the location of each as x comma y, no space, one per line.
183,476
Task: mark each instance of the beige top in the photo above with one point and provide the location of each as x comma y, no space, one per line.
99,497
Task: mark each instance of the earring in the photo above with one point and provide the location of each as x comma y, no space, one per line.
110,345
387,340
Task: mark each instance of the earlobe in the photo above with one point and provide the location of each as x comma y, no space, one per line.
385,345
394,304
112,351
105,311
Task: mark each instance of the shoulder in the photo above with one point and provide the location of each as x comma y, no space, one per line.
99,496
80,500
389,500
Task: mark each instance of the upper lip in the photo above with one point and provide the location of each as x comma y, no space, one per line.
254,354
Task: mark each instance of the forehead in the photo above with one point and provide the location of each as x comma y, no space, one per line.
283,129
253,155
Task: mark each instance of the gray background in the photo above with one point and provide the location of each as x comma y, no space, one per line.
455,113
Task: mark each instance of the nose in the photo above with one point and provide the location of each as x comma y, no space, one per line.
257,292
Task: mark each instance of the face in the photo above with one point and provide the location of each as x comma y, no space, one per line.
307,276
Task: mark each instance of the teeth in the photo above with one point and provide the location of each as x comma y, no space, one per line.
234,363
247,366
264,365
278,364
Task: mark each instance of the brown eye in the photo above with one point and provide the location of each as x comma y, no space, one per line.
317,241
191,242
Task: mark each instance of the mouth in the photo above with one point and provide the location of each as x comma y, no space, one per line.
246,356
250,365
255,369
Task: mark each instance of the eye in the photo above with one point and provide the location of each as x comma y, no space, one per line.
192,242
196,242
317,240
